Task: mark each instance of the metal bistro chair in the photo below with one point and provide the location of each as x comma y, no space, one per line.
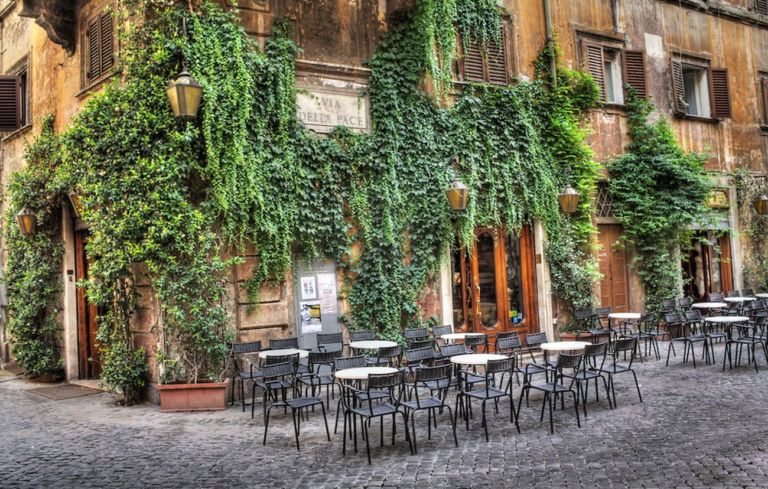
649,333
344,363
556,388
315,380
277,380
747,335
591,369
282,343
372,407
328,342
473,344
675,319
415,334
440,377
488,391
258,375
511,347
695,322
716,297
622,346
684,304
239,371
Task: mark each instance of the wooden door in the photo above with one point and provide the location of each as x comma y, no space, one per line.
726,270
614,286
494,284
87,316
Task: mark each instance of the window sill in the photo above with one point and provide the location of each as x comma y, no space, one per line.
18,132
696,118
616,109
85,91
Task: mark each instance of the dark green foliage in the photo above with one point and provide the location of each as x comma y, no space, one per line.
33,263
659,191
754,227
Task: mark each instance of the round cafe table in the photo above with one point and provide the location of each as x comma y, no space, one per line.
283,351
476,358
726,319
762,295
740,300
362,373
372,344
564,346
626,316
709,305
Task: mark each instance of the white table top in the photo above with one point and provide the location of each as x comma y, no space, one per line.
762,295
738,299
362,373
726,319
460,336
625,315
284,351
564,345
709,305
372,344
476,358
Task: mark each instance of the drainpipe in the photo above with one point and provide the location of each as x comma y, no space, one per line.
550,39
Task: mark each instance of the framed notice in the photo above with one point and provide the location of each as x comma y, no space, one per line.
308,288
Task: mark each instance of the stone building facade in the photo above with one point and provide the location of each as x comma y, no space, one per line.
703,63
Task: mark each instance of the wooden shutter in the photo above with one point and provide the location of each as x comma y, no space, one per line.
593,63
93,68
764,93
10,103
473,62
106,43
761,7
497,61
721,97
678,88
634,72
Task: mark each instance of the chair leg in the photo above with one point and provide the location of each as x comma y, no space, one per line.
669,349
266,425
637,385
367,438
296,427
548,397
325,419
576,408
607,392
453,427
485,423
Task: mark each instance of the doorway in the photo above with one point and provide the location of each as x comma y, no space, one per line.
89,358
614,286
708,267
494,283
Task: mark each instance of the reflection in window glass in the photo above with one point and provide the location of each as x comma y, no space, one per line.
486,269
514,280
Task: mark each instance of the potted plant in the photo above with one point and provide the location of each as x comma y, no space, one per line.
571,331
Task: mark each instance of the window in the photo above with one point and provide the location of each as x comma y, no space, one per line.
700,91
99,49
10,103
763,94
761,7
24,109
487,64
612,67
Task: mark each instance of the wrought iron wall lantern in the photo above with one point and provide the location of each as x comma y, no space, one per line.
457,193
569,199
27,221
184,93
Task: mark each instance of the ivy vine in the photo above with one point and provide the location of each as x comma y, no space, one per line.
754,227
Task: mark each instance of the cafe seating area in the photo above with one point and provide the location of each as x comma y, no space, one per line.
438,379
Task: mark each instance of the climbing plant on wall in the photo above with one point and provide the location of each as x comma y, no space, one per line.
166,200
33,263
659,191
754,227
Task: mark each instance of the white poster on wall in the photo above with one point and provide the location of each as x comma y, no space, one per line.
311,320
308,288
326,286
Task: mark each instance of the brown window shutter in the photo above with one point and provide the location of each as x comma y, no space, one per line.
473,62
497,61
94,57
10,103
107,43
720,94
764,93
634,72
761,7
678,88
593,63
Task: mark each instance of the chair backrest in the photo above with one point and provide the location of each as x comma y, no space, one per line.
684,303
343,363
693,316
278,344
668,304
427,374
602,312
471,341
747,293
565,361
384,381
439,331
364,335
503,365
277,371
420,355
596,350
715,297
584,318
250,347
416,333
506,334
757,305
390,353
535,339
419,344
647,321
673,318
732,293
508,345
624,344
323,358
452,350
325,339
278,359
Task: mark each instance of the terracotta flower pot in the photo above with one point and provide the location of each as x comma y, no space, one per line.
210,396
573,336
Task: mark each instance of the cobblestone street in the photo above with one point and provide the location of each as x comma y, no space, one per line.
696,428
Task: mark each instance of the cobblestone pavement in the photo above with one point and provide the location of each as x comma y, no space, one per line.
696,428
